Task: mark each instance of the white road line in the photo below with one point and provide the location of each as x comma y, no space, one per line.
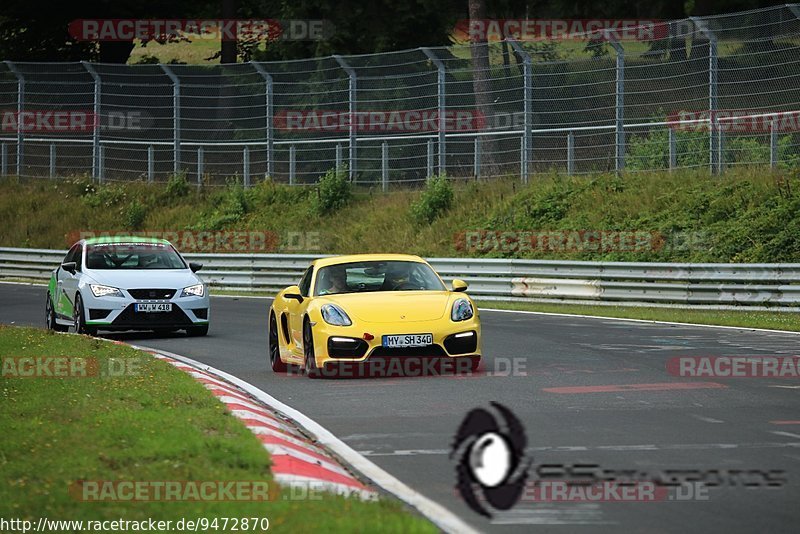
706,419
436,513
787,434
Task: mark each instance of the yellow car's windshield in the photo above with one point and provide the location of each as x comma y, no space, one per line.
366,276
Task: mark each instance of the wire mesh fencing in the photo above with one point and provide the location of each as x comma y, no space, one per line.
712,92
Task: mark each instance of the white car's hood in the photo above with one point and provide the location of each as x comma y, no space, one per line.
144,278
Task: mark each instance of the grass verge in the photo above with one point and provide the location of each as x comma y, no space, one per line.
746,319
153,423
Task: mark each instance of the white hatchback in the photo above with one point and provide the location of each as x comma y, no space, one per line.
127,283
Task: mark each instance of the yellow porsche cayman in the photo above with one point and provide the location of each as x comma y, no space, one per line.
372,307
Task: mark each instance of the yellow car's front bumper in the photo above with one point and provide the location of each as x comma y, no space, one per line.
363,341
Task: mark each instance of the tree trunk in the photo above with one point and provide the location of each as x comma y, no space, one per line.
481,82
228,47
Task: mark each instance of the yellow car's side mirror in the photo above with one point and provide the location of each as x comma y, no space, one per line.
459,285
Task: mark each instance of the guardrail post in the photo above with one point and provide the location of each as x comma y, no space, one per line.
714,138
150,163
291,164
440,93
619,102
176,117
338,156
385,166
20,109
673,149
201,161
526,157
570,153
96,110
269,126
52,160
246,166
351,74
477,158
3,159
101,164
773,143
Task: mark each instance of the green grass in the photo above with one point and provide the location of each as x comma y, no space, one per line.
746,215
745,319
154,424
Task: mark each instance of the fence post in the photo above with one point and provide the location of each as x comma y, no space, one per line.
291,164
714,137
201,160
176,117
619,103
673,149
338,156
3,159
476,158
269,131
429,169
351,73
52,160
440,92
385,166
526,158
773,143
96,109
570,153
150,163
20,109
101,171
246,166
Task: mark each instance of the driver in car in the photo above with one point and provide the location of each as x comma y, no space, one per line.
334,282
395,278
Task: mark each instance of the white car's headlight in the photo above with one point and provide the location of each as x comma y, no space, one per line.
334,315
104,291
462,310
194,291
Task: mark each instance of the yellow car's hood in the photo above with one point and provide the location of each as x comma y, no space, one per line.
394,306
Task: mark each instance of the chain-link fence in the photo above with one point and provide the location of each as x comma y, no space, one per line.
703,92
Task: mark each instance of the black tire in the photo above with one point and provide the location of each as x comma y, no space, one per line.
308,351
50,317
273,347
80,319
197,331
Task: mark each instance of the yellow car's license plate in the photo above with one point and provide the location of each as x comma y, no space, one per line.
408,340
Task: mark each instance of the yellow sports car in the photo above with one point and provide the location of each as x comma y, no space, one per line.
373,308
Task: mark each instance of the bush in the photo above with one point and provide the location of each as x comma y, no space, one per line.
135,215
231,207
333,192
435,200
177,186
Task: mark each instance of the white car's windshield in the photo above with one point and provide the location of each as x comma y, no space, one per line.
133,256
376,276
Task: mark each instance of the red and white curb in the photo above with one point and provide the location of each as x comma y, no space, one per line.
296,460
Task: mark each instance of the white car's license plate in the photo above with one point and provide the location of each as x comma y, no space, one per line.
149,307
408,340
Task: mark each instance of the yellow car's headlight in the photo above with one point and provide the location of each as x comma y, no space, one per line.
462,310
334,315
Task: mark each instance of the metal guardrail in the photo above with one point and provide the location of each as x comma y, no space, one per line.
774,286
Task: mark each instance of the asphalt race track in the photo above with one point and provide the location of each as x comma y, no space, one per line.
406,425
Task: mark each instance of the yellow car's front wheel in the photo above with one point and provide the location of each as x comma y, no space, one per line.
312,371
